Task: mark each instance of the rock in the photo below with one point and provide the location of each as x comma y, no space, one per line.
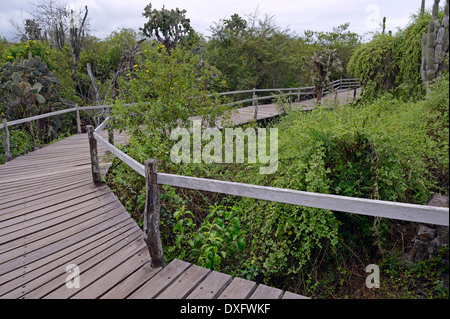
442,234
438,200
425,233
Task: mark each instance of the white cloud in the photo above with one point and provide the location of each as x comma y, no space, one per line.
318,15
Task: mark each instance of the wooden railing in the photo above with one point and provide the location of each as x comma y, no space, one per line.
335,86
362,206
308,91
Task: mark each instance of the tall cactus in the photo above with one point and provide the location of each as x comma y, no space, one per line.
435,46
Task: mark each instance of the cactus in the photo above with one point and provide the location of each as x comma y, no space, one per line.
435,46
322,64
27,88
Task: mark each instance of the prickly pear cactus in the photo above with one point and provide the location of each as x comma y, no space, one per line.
322,65
435,46
28,88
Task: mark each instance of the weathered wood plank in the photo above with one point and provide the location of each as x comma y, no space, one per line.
210,288
185,283
111,279
83,249
132,283
99,269
290,295
28,255
238,289
34,275
394,210
266,292
161,280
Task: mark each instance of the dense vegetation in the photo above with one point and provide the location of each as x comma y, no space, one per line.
391,145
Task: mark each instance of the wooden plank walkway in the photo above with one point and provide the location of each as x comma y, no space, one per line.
53,216
265,111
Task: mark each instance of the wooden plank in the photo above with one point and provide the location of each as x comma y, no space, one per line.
102,267
33,241
38,217
185,284
290,295
266,292
370,207
55,226
210,288
238,289
115,276
131,283
160,281
83,249
24,257
56,279
40,272
67,206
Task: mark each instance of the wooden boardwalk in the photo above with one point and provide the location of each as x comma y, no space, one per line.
265,111
52,216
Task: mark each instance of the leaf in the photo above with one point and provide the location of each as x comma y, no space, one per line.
241,244
16,90
40,98
217,260
178,239
16,77
37,86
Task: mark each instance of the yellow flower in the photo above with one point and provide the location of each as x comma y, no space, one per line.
128,74
147,71
27,46
135,65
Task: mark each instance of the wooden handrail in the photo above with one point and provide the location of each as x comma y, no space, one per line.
369,207
336,85
379,208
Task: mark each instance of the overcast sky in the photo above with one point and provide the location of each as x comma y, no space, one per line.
299,15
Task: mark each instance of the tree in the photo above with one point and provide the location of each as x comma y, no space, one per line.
323,63
32,31
168,26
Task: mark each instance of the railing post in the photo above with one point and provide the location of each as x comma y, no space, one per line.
290,97
95,166
78,119
110,129
298,94
152,235
6,141
255,104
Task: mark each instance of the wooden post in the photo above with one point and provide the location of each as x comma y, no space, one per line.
110,129
152,236
78,119
298,94
255,104
290,97
354,94
6,141
96,176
